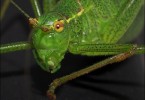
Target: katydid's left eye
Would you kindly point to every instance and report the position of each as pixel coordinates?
(59, 26)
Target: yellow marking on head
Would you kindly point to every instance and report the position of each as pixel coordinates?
(79, 13)
(76, 15)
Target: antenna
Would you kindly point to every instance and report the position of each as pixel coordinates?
(22, 11)
(32, 21)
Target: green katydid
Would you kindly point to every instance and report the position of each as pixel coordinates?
(86, 27)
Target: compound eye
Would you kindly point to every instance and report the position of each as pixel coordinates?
(59, 26)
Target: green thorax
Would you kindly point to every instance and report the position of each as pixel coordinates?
(103, 21)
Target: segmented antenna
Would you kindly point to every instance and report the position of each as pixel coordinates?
(32, 21)
(22, 11)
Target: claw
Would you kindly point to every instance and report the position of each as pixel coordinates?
(51, 95)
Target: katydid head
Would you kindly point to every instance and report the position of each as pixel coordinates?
(50, 40)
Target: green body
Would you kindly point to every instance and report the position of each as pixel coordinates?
(101, 22)
(85, 27)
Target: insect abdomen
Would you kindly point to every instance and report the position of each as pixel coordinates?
(107, 20)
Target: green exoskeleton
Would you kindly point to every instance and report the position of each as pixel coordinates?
(85, 27)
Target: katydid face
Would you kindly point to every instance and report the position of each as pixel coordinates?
(51, 41)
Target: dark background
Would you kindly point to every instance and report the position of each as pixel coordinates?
(22, 79)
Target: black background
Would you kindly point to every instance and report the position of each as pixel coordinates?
(22, 79)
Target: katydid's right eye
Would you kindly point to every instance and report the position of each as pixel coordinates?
(59, 26)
